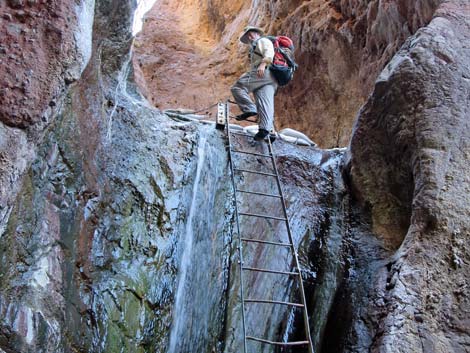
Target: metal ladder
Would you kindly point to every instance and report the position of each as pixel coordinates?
(223, 120)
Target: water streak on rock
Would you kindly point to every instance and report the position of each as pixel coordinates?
(179, 314)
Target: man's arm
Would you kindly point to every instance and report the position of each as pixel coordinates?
(266, 49)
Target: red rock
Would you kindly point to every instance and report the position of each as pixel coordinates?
(16, 3)
(341, 48)
(23, 37)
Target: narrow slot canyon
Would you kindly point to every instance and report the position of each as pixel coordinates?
(119, 215)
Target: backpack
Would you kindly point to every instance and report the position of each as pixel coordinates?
(283, 65)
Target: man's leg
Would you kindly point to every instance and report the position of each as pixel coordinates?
(240, 91)
(264, 97)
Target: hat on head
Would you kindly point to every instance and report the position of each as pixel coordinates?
(244, 38)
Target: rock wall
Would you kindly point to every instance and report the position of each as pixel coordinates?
(92, 243)
(116, 220)
(45, 47)
(341, 48)
(409, 156)
(34, 67)
(110, 205)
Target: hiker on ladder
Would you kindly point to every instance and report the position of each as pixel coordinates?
(259, 81)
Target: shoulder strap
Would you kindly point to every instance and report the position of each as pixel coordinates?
(253, 47)
(255, 44)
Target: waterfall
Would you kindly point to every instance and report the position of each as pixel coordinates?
(121, 94)
(143, 6)
(179, 314)
(121, 88)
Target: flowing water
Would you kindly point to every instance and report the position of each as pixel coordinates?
(179, 315)
(121, 88)
(123, 96)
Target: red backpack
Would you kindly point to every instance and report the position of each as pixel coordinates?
(284, 64)
(283, 51)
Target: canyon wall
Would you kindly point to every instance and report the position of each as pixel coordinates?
(116, 220)
(45, 46)
(341, 46)
(408, 149)
(95, 210)
(409, 156)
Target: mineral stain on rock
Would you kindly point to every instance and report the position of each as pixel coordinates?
(105, 202)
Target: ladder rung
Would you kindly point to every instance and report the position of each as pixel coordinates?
(258, 193)
(273, 302)
(240, 133)
(252, 153)
(253, 172)
(269, 271)
(250, 240)
(262, 216)
(298, 343)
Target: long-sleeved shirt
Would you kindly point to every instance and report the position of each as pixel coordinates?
(263, 52)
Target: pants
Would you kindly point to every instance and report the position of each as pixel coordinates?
(263, 89)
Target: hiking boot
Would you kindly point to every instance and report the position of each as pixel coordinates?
(272, 137)
(245, 116)
(261, 135)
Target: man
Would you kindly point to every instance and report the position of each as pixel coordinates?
(259, 81)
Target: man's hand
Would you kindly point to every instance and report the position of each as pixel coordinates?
(261, 70)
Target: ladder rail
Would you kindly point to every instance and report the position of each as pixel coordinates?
(291, 240)
(240, 246)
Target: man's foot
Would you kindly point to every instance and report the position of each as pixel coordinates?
(272, 137)
(261, 135)
(245, 116)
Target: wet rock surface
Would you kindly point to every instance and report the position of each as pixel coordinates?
(314, 191)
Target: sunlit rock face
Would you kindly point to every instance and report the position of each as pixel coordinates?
(188, 46)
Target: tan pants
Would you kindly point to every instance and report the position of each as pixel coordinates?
(263, 89)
